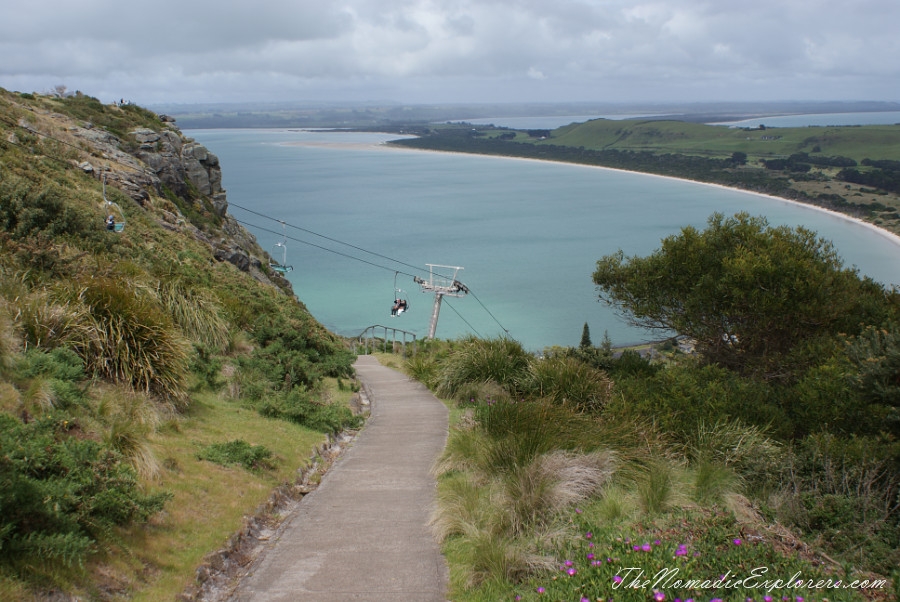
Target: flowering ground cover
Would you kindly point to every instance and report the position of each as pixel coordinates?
(688, 556)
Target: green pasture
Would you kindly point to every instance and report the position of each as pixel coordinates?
(855, 142)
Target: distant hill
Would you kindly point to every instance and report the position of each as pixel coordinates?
(367, 114)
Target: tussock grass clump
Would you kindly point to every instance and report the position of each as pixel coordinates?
(733, 444)
(424, 368)
(9, 342)
(465, 507)
(196, 312)
(712, 483)
(656, 489)
(500, 360)
(128, 338)
(535, 494)
(127, 421)
(568, 380)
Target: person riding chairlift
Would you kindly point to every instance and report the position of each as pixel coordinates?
(111, 222)
(399, 307)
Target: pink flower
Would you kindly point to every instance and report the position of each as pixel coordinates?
(736, 541)
(541, 590)
(617, 579)
(588, 535)
(571, 572)
(646, 547)
(659, 596)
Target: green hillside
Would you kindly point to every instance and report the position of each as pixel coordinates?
(156, 384)
(869, 141)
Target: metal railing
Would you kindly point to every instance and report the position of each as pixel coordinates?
(367, 338)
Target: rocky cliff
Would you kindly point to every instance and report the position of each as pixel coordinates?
(168, 175)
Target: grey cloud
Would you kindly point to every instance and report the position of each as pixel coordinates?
(416, 49)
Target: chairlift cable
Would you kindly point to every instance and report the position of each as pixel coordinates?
(334, 240)
(397, 261)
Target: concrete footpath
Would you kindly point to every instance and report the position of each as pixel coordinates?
(363, 534)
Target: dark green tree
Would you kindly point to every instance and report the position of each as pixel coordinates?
(746, 292)
(585, 337)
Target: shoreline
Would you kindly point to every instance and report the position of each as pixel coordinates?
(887, 234)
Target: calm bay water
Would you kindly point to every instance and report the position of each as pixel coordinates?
(527, 233)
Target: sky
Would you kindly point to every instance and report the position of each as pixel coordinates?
(453, 51)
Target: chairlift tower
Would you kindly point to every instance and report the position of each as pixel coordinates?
(441, 285)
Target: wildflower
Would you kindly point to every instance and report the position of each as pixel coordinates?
(617, 579)
(736, 541)
(577, 510)
(569, 563)
(588, 535)
(541, 590)
(682, 550)
(656, 542)
(583, 599)
(571, 572)
(646, 547)
(590, 556)
(659, 596)
(767, 599)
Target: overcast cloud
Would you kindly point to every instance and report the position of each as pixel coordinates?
(452, 51)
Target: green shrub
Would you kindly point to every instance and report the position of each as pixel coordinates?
(60, 363)
(238, 452)
(60, 493)
(844, 490)
(299, 406)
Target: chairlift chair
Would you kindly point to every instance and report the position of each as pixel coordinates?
(115, 217)
(282, 267)
(401, 305)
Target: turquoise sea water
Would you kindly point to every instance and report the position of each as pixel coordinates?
(527, 233)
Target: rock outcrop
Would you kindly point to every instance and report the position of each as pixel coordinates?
(161, 163)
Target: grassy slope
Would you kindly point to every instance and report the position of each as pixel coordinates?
(158, 560)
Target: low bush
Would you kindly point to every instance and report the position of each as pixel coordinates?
(238, 452)
(299, 406)
(59, 493)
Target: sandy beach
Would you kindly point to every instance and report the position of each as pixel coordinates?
(387, 146)
(890, 236)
